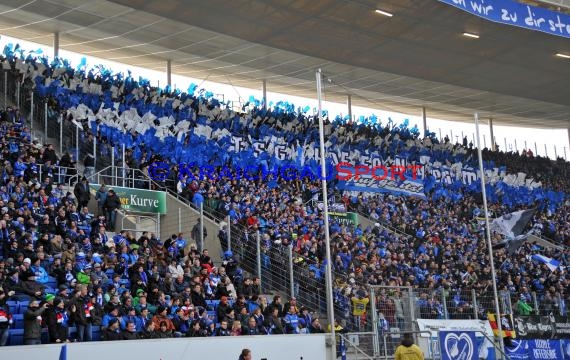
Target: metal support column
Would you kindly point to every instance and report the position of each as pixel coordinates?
(444, 303)
(124, 163)
(375, 336)
(474, 302)
(493, 148)
(291, 274)
(6, 91)
(55, 45)
(258, 246)
(264, 90)
(60, 133)
(32, 111)
(46, 119)
(229, 233)
(328, 268)
(349, 106)
(18, 86)
(77, 143)
(424, 119)
(169, 72)
(488, 237)
(94, 154)
(201, 227)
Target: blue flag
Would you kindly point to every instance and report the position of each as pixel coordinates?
(63, 352)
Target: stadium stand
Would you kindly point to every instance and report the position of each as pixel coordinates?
(95, 286)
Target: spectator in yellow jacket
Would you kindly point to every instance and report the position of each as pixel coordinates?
(408, 350)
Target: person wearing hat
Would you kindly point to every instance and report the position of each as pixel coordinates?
(112, 332)
(26, 272)
(359, 305)
(161, 316)
(20, 290)
(84, 275)
(112, 313)
(33, 322)
(82, 192)
(101, 196)
(57, 320)
(63, 292)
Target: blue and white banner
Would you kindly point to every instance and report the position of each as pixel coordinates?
(517, 14)
(538, 350)
(368, 184)
(518, 350)
(552, 264)
(193, 128)
(456, 345)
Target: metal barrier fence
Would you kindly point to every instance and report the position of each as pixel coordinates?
(118, 176)
(359, 345)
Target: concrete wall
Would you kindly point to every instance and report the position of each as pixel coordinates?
(272, 347)
(182, 218)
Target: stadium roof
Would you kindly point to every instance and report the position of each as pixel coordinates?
(416, 58)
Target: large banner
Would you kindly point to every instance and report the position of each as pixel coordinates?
(280, 149)
(429, 339)
(542, 327)
(537, 350)
(137, 200)
(517, 14)
(368, 183)
(347, 218)
(455, 345)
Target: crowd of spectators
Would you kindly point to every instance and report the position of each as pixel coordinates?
(60, 257)
(62, 263)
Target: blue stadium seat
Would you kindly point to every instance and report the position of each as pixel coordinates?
(52, 283)
(213, 303)
(18, 321)
(49, 290)
(23, 306)
(96, 333)
(125, 282)
(16, 337)
(12, 306)
(212, 315)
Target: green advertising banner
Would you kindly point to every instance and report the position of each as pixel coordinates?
(348, 218)
(146, 201)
